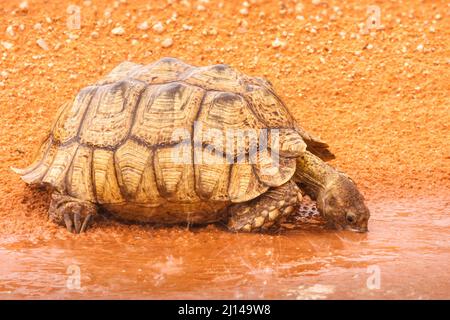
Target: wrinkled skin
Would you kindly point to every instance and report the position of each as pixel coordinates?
(342, 205)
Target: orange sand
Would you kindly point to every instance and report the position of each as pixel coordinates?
(380, 100)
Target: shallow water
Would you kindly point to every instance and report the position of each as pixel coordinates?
(405, 255)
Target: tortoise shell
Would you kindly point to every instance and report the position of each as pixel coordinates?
(114, 143)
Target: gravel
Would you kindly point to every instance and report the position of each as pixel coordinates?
(118, 31)
(41, 43)
(167, 42)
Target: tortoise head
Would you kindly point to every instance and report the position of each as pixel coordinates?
(342, 205)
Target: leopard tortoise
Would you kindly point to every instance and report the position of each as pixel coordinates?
(173, 143)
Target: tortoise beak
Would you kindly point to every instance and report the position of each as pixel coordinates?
(361, 228)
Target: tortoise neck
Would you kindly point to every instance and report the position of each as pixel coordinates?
(314, 174)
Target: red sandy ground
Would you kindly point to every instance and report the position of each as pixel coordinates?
(380, 100)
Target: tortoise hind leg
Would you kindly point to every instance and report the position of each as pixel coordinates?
(70, 212)
(265, 211)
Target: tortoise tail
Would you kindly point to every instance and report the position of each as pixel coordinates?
(315, 145)
(42, 160)
(320, 149)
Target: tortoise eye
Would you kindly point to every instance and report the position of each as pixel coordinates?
(350, 218)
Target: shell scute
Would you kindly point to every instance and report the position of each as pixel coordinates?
(110, 115)
(166, 113)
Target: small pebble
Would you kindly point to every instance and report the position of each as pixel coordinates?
(10, 31)
(143, 26)
(7, 45)
(23, 6)
(117, 31)
(244, 11)
(134, 42)
(94, 35)
(419, 47)
(187, 27)
(37, 26)
(167, 42)
(277, 43)
(158, 27)
(73, 36)
(41, 43)
(299, 7)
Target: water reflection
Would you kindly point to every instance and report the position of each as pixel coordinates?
(408, 244)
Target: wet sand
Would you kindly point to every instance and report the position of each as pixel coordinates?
(380, 100)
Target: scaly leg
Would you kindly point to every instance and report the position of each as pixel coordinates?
(265, 211)
(70, 212)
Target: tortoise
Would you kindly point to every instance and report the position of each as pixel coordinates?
(117, 146)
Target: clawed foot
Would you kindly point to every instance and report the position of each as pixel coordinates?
(75, 222)
(72, 213)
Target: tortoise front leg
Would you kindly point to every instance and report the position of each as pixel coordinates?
(70, 212)
(266, 211)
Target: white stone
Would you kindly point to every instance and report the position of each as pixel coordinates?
(118, 31)
(167, 42)
(277, 43)
(187, 27)
(10, 31)
(244, 11)
(299, 7)
(23, 6)
(158, 27)
(7, 45)
(41, 43)
(143, 26)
